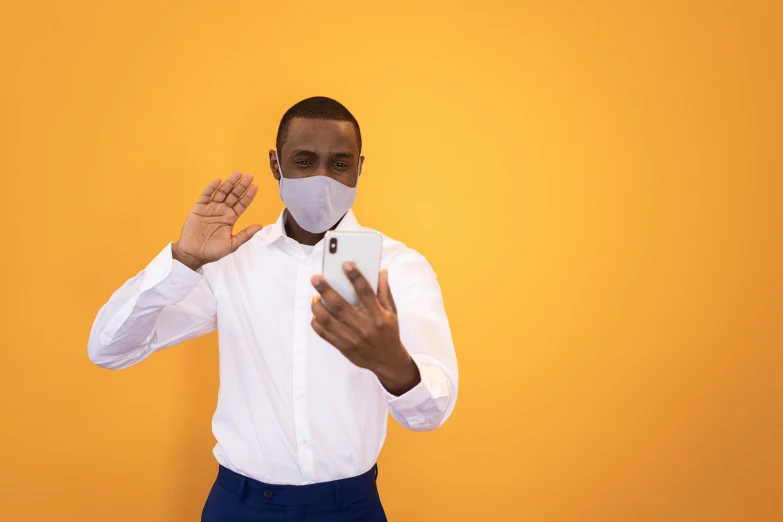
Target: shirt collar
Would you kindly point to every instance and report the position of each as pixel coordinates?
(276, 232)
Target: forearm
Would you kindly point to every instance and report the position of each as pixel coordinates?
(149, 312)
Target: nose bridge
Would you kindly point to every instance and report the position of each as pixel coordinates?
(322, 169)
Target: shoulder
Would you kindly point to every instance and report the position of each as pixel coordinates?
(397, 254)
(266, 234)
(408, 268)
(245, 257)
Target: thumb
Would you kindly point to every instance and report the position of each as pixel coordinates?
(384, 292)
(244, 236)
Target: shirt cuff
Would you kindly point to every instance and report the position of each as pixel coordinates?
(169, 277)
(411, 398)
(416, 405)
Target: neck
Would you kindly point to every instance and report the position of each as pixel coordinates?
(300, 235)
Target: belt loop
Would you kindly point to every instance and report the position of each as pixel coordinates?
(241, 491)
(338, 498)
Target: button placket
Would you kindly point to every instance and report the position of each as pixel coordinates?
(301, 324)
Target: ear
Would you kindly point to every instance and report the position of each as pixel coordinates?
(361, 164)
(274, 165)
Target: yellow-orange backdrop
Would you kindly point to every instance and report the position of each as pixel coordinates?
(599, 188)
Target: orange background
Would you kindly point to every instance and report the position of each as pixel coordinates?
(599, 187)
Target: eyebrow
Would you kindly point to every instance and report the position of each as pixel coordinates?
(303, 152)
(342, 155)
(310, 153)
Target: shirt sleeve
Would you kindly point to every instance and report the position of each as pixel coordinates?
(165, 304)
(425, 333)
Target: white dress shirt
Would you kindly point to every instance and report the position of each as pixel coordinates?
(291, 408)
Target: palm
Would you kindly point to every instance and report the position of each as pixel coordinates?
(207, 234)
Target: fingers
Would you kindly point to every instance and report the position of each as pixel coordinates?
(327, 335)
(226, 187)
(361, 285)
(244, 236)
(207, 194)
(384, 292)
(238, 190)
(245, 200)
(340, 308)
(339, 331)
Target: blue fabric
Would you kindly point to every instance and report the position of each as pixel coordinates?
(235, 498)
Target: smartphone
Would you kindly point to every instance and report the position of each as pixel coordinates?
(363, 248)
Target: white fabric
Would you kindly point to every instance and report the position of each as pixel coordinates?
(317, 202)
(291, 409)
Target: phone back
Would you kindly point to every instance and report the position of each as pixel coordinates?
(361, 247)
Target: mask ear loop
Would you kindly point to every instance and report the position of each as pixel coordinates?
(280, 171)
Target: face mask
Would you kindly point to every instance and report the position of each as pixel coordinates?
(316, 202)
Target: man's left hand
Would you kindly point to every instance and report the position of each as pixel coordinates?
(368, 334)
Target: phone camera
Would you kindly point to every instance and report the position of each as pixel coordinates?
(333, 245)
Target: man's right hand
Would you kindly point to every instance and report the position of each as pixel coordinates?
(207, 233)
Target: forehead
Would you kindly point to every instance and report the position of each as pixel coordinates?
(321, 135)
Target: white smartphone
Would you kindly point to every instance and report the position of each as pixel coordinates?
(361, 247)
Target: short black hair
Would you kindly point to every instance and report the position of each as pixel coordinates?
(320, 108)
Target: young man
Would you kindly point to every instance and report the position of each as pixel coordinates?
(304, 392)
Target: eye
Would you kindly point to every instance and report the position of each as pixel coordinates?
(302, 162)
(340, 165)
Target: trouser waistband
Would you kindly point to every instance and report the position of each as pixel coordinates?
(334, 491)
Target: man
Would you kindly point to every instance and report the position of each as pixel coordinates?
(304, 392)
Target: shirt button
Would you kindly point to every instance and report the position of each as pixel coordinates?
(300, 395)
(303, 441)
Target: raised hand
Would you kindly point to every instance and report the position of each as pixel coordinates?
(207, 234)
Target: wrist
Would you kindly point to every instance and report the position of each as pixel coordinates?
(401, 377)
(187, 260)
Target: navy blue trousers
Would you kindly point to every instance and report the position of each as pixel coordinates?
(236, 498)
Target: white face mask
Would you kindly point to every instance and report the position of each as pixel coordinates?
(316, 202)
